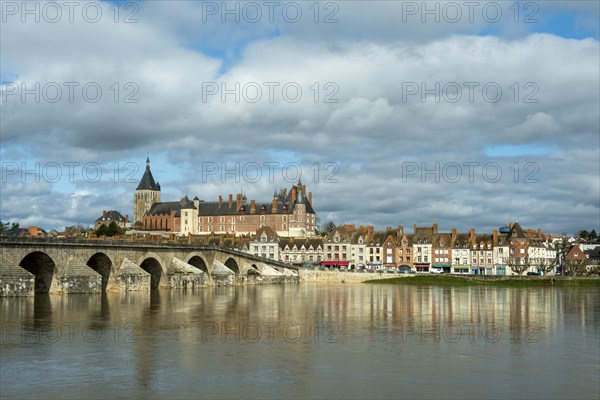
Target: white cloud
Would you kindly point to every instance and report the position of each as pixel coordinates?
(376, 124)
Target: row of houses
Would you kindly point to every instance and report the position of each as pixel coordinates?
(424, 249)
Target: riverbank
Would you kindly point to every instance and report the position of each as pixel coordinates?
(339, 277)
(487, 280)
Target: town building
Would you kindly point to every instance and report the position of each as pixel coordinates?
(289, 214)
(113, 216)
(422, 246)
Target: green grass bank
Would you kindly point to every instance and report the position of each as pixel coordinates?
(504, 281)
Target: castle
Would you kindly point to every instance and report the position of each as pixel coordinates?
(290, 214)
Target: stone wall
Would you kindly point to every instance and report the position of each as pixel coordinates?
(15, 281)
(336, 276)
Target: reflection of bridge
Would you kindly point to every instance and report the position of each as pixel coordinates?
(81, 266)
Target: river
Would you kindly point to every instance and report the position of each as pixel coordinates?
(305, 340)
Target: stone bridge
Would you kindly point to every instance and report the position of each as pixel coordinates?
(32, 265)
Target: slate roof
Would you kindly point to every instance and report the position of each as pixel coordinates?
(147, 182)
(306, 242)
(517, 232)
(165, 208)
(111, 216)
(593, 254)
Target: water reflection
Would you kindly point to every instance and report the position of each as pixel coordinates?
(305, 341)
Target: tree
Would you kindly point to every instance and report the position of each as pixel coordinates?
(583, 234)
(113, 229)
(575, 267)
(593, 235)
(547, 265)
(7, 228)
(518, 265)
(329, 227)
(76, 230)
(101, 231)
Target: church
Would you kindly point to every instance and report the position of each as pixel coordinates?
(289, 213)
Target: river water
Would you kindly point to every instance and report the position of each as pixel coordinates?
(304, 341)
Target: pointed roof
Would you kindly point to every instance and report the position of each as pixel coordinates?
(147, 182)
(517, 232)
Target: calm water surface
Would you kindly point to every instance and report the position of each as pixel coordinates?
(304, 341)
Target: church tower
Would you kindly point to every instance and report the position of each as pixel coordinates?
(147, 193)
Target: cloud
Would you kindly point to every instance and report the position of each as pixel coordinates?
(372, 97)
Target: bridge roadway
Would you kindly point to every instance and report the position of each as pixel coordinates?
(32, 265)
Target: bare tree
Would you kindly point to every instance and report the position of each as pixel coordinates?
(518, 265)
(329, 227)
(575, 267)
(547, 265)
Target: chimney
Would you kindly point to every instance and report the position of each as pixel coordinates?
(104, 213)
(435, 229)
(494, 236)
(310, 197)
(252, 206)
(293, 198)
(230, 200)
(540, 236)
(274, 205)
(238, 199)
(401, 230)
(453, 233)
(472, 233)
(126, 217)
(303, 190)
(415, 227)
(220, 201)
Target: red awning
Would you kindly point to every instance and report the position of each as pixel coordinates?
(336, 263)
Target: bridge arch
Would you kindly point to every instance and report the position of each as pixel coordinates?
(197, 261)
(43, 267)
(153, 264)
(252, 270)
(232, 265)
(102, 264)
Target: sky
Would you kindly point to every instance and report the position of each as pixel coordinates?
(465, 114)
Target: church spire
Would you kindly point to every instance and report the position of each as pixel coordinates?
(147, 182)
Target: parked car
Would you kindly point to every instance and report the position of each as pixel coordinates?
(405, 270)
(343, 269)
(530, 273)
(436, 271)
